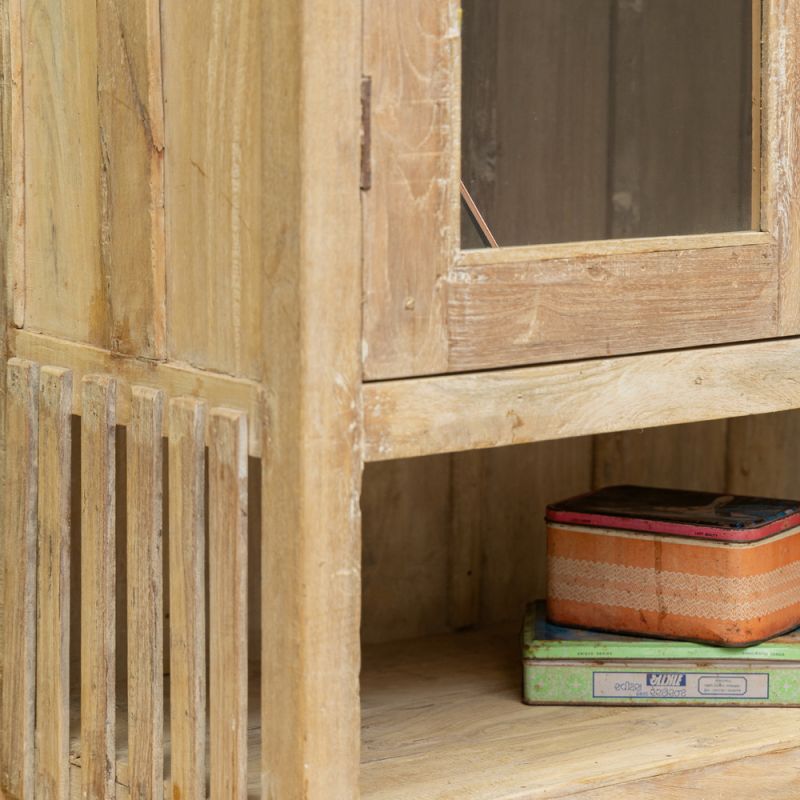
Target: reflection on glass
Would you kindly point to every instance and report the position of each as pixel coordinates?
(597, 119)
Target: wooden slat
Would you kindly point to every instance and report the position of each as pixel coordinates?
(503, 315)
(227, 494)
(98, 596)
(311, 555)
(174, 378)
(54, 571)
(65, 287)
(131, 131)
(780, 211)
(461, 412)
(145, 596)
(464, 546)
(215, 187)
(187, 571)
(18, 653)
(411, 50)
(13, 161)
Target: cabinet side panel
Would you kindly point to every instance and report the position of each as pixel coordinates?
(214, 183)
(411, 211)
(93, 235)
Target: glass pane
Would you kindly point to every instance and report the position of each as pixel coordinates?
(598, 119)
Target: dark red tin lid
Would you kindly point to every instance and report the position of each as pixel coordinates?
(732, 518)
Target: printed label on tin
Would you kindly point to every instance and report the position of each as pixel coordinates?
(679, 685)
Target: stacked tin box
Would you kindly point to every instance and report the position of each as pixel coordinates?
(663, 596)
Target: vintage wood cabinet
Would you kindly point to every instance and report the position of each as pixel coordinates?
(233, 276)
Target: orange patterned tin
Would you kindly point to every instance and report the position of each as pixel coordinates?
(682, 565)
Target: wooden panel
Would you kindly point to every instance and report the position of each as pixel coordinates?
(227, 492)
(66, 291)
(518, 483)
(311, 556)
(187, 570)
(18, 654)
(763, 457)
(131, 135)
(54, 571)
(98, 579)
(411, 211)
(215, 184)
(460, 412)
(13, 164)
(676, 457)
(174, 379)
(780, 213)
(145, 599)
(406, 528)
(443, 718)
(501, 315)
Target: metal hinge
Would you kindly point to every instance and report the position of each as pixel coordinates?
(366, 132)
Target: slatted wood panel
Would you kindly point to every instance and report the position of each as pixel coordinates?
(17, 702)
(227, 490)
(187, 567)
(98, 577)
(53, 585)
(145, 597)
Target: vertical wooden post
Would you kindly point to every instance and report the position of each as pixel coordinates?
(227, 500)
(98, 575)
(18, 554)
(311, 579)
(145, 596)
(187, 570)
(53, 608)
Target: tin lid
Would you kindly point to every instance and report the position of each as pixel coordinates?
(726, 517)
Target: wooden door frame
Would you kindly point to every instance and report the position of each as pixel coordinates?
(431, 308)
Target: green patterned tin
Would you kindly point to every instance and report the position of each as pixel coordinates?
(568, 666)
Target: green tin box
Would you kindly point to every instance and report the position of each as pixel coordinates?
(563, 666)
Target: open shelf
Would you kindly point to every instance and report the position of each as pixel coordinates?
(442, 720)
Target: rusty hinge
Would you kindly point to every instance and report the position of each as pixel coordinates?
(366, 132)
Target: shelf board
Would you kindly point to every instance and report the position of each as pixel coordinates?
(442, 719)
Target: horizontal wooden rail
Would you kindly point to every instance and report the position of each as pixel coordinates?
(423, 416)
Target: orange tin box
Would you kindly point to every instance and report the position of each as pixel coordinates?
(710, 568)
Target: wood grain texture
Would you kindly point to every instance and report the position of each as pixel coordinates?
(13, 164)
(227, 497)
(131, 136)
(53, 585)
(311, 554)
(411, 51)
(215, 185)
(98, 582)
(780, 212)
(518, 483)
(175, 379)
(406, 507)
(18, 655)
(464, 546)
(65, 290)
(773, 776)
(187, 592)
(442, 718)
(145, 600)
(675, 457)
(502, 315)
(460, 412)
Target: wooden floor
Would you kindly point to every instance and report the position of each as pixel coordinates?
(442, 720)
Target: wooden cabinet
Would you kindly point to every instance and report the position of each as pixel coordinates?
(234, 274)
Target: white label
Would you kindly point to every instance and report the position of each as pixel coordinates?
(691, 685)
